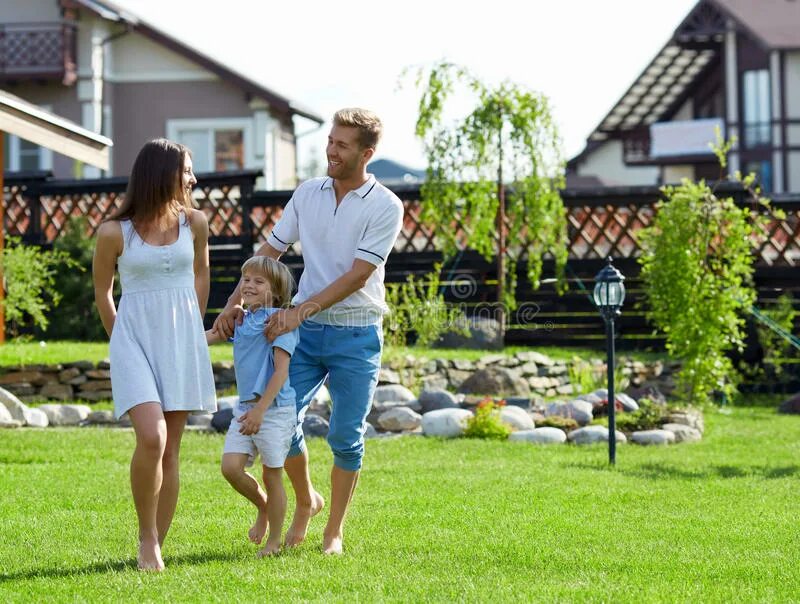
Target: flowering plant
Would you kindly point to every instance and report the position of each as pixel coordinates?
(486, 422)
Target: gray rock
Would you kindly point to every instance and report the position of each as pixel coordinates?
(393, 392)
(221, 420)
(430, 382)
(82, 365)
(593, 434)
(791, 405)
(5, 414)
(529, 369)
(314, 425)
(14, 406)
(10, 423)
(388, 376)
(688, 417)
(463, 365)
(517, 418)
(436, 398)
(370, 431)
(400, 419)
(72, 415)
(447, 423)
(35, 418)
(544, 436)
(101, 418)
(322, 396)
(683, 433)
(577, 409)
(496, 381)
(59, 392)
(484, 333)
(200, 419)
(653, 437)
(628, 404)
(227, 402)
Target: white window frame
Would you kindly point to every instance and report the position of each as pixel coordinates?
(245, 124)
(45, 154)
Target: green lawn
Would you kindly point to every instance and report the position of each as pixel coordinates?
(32, 353)
(432, 520)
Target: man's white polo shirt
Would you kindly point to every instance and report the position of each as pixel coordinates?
(365, 225)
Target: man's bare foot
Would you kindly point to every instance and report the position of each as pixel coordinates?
(259, 528)
(272, 548)
(302, 516)
(332, 545)
(149, 557)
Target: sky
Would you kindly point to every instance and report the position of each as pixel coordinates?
(582, 54)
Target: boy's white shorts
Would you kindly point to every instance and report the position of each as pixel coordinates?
(273, 439)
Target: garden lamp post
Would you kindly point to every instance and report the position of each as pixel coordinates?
(609, 293)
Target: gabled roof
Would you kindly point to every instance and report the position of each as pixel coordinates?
(23, 119)
(112, 12)
(694, 45)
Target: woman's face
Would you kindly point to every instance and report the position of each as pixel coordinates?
(188, 181)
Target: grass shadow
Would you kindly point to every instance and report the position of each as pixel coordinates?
(114, 566)
(665, 472)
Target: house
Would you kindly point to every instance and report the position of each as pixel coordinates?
(390, 172)
(95, 63)
(732, 65)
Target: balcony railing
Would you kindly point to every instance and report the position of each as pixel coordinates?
(683, 141)
(37, 51)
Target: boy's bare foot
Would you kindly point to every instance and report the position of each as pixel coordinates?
(272, 548)
(259, 528)
(302, 516)
(332, 545)
(149, 557)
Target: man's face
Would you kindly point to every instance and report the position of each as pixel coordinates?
(345, 155)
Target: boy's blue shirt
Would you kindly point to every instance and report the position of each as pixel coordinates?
(254, 359)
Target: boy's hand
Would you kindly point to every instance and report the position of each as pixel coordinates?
(251, 421)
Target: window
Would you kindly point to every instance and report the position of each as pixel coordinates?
(763, 172)
(216, 145)
(757, 115)
(23, 156)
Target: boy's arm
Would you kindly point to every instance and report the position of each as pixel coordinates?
(251, 420)
(214, 337)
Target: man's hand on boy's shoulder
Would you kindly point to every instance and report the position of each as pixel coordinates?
(281, 322)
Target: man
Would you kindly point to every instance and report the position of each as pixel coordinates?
(347, 224)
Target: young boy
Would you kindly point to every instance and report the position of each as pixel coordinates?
(266, 417)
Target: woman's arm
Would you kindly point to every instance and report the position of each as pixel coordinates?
(107, 249)
(202, 271)
(251, 420)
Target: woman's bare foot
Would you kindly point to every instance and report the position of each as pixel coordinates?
(302, 516)
(332, 545)
(149, 557)
(272, 548)
(259, 528)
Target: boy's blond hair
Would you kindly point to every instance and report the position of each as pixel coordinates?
(281, 281)
(368, 124)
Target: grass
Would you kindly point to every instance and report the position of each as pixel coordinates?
(432, 520)
(15, 352)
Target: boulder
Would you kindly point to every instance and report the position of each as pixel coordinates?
(437, 398)
(495, 380)
(35, 418)
(791, 405)
(447, 423)
(314, 425)
(400, 419)
(392, 392)
(517, 418)
(653, 437)
(221, 420)
(683, 433)
(543, 436)
(14, 406)
(593, 434)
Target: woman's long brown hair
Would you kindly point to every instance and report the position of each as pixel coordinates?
(155, 184)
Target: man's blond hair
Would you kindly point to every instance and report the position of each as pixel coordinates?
(368, 124)
(281, 281)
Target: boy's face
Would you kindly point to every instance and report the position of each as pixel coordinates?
(256, 290)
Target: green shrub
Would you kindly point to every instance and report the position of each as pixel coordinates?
(76, 318)
(650, 416)
(30, 275)
(555, 421)
(486, 422)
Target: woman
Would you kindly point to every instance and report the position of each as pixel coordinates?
(160, 366)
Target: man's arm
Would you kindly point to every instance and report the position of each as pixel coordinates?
(353, 280)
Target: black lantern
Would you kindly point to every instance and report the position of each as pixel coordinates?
(609, 294)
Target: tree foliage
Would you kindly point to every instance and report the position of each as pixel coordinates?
(697, 267)
(508, 128)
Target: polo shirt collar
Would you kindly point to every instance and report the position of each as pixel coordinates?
(361, 191)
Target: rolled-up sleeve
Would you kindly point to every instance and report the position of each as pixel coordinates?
(380, 235)
(286, 231)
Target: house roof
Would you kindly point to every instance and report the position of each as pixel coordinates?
(21, 118)
(388, 170)
(694, 45)
(112, 12)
